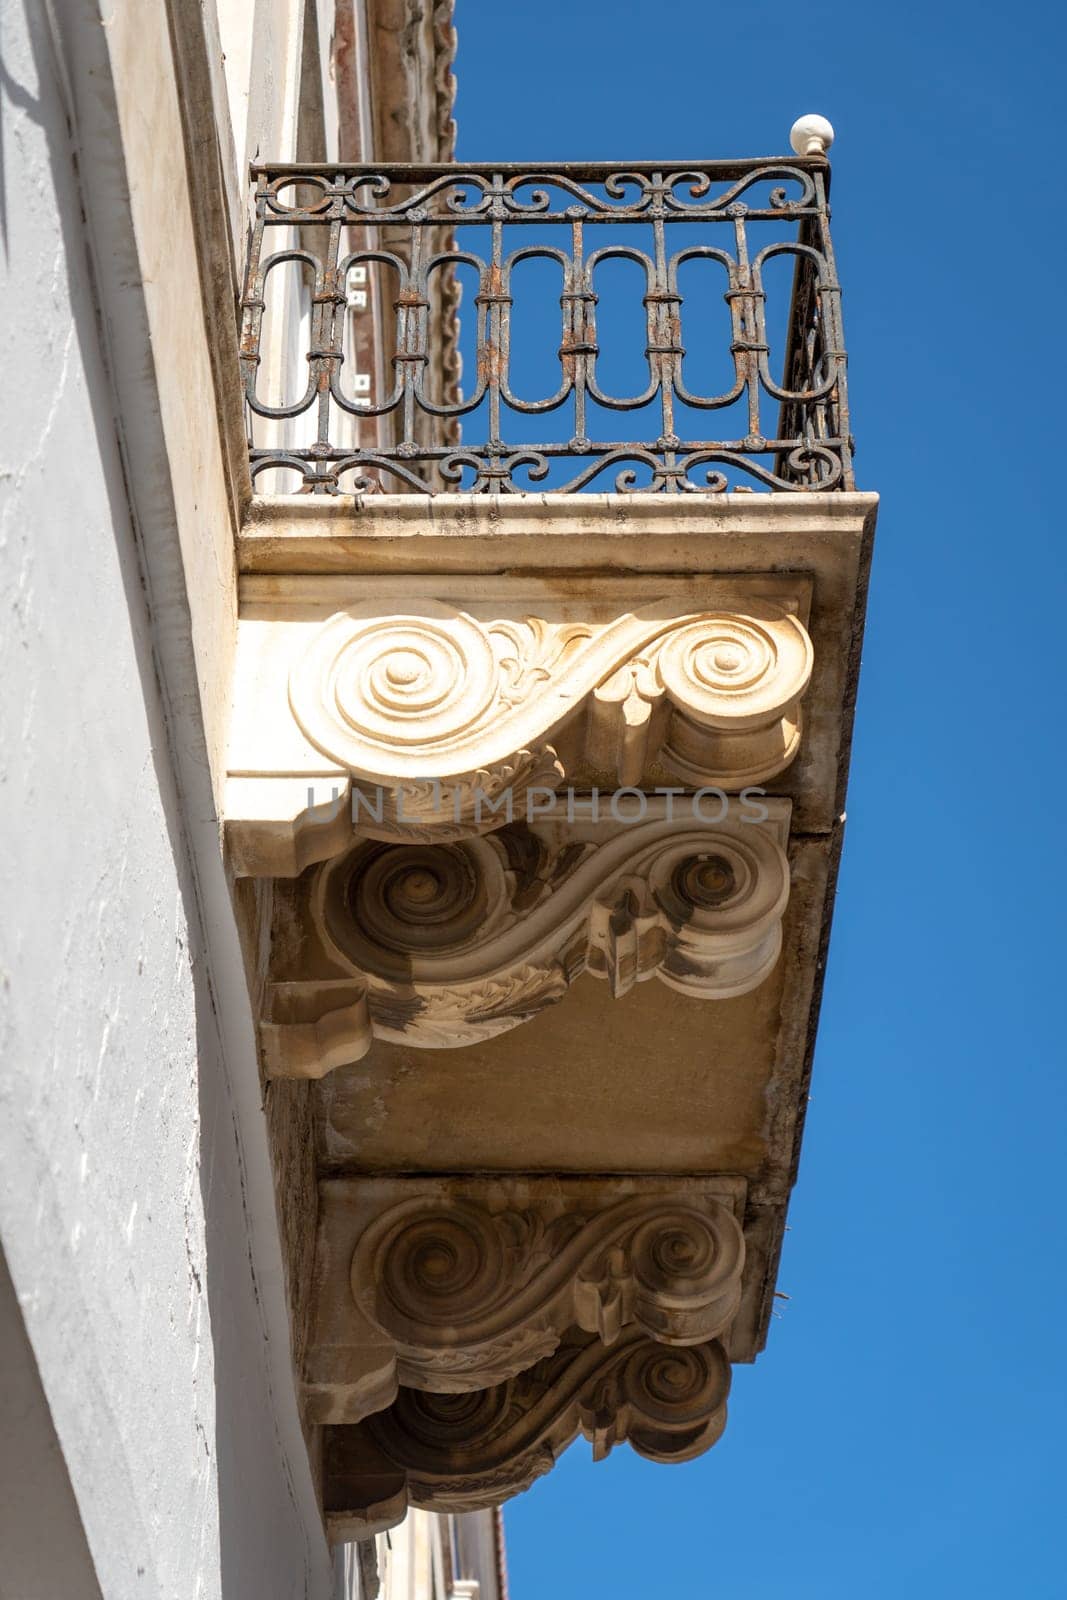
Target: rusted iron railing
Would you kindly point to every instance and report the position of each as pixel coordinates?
(371, 263)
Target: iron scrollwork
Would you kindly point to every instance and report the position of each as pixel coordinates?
(401, 229)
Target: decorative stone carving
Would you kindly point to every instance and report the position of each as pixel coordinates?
(442, 945)
(413, 723)
(457, 1287)
(437, 694)
(462, 1452)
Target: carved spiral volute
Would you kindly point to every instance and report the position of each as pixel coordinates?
(734, 671)
(725, 905)
(383, 905)
(436, 1425)
(684, 1259)
(438, 1270)
(669, 1403)
(471, 1296)
(393, 691)
(732, 885)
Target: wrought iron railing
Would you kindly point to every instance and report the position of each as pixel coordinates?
(379, 256)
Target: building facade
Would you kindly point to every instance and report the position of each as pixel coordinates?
(428, 1557)
(426, 795)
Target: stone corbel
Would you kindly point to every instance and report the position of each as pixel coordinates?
(456, 1285)
(455, 1453)
(443, 945)
(416, 725)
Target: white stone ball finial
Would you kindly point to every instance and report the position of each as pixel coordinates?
(811, 135)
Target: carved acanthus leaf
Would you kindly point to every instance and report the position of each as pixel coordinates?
(470, 803)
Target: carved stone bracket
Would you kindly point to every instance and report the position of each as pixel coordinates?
(462, 1452)
(443, 945)
(414, 724)
(456, 1286)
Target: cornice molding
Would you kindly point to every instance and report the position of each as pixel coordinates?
(285, 535)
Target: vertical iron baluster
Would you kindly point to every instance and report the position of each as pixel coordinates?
(494, 352)
(483, 301)
(326, 351)
(499, 301)
(748, 346)
(815, 422)
(578, 348)
(661, 317)
(409, 352)
(252, 306)
(833, 336)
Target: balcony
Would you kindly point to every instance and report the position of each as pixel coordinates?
(649, 327)
(536, 984)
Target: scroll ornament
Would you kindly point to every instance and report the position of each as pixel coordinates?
(444, 945)
(440, 713)
(462, 1452)
(451, 1294)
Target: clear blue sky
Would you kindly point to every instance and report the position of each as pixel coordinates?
(904, 1432)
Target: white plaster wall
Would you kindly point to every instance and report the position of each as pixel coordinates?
(121, 1190)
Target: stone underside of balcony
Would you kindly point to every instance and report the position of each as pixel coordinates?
(536, 1067)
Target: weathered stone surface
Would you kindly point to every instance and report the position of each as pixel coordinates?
(407, 670)
(654, 1083)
